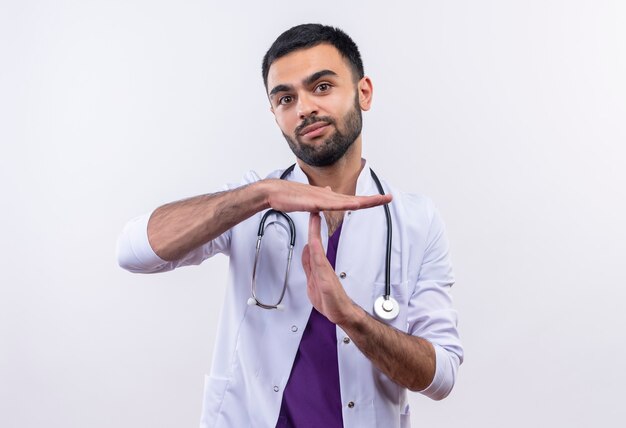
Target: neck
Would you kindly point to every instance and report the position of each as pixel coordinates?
(341, 176)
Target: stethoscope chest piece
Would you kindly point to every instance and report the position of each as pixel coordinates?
(386, 308)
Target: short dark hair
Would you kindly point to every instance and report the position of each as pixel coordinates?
(309, 35)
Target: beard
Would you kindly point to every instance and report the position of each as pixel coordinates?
(334, 147)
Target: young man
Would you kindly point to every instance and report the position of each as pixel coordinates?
(325, 357)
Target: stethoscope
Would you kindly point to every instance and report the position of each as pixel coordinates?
(385, 306)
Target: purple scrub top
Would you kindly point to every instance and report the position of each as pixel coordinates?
(312, 397)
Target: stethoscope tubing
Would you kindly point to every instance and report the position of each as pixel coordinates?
(389, 237)
(385, 306)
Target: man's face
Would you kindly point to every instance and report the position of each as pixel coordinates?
(316, 103)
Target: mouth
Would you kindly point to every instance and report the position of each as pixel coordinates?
(314, 130)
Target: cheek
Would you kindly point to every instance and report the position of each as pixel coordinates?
(286, 123)
(337, 105)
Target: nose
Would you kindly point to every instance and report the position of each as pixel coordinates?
(306, 106)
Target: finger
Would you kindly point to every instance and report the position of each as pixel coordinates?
(315, 233)
(306, 263)
(355, 202)
(372, 201)
(315, 240)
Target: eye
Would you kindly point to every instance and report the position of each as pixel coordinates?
(284, 100)
(322, 87)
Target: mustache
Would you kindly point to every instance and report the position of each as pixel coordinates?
(314, 119)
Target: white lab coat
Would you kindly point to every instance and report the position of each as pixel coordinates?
(256, 347)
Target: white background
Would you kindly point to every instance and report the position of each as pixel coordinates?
(510, 115)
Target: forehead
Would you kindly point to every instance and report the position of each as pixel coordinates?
(299, 64)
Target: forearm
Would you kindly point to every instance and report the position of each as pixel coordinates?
(177, 228)
(407, 360)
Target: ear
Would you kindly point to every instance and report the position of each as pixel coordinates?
(366, 92)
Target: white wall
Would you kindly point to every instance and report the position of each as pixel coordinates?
(509, 114)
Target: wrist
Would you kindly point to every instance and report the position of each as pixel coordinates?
(263, 189)
(354, 319)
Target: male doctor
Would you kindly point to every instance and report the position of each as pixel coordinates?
(324, 358)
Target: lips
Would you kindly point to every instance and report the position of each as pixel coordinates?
(317, 126)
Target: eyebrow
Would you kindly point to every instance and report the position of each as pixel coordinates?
(306, 81)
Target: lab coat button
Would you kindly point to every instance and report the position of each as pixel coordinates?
(276, 388)
(294, 328)
(346, 340)
(342, 275)
(351, 404)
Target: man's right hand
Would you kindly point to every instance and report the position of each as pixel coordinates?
(177, 228)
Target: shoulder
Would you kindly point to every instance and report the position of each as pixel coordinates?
(413, 205)
(250, 177)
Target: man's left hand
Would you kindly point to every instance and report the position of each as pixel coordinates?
(323, 287)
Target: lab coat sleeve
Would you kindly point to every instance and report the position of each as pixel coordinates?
(431, 315)
(135, 254)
